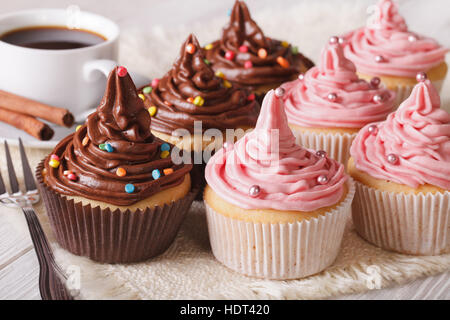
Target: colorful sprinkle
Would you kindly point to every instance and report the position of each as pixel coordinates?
(243, 48)
(167, 171)
(283, 62)
(227, 84)
(190, 48)
(121, 172)
(55, 157)
(147, 90)
(229, 12)
(262, 53)
(209, 46)
(141, 96)
(78, 127)
(152, 110)
(251, 97)
(165, 147)
(156, 174)
(102, 146)
(248, 64)
(294, 50)
(220, 74)
(85, 141)
(164, 154)
(199, 101)
(53, 163)
(190, 99)
(155, 83)
(122, 71)
(129, 188)
(229, 55)
(207, 61)
(167, 103)
(109, 147)
(284, 44)
(72, 176)
(66, 172)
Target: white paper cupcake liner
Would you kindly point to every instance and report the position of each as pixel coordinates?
(337, 145)
(279, 250)
(417, 224)
(403, 92)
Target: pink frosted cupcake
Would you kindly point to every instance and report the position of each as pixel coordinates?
(275, 209)
(402, 169)
(385, 48)
(328, 105)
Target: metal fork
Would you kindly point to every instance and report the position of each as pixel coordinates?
(51, 277)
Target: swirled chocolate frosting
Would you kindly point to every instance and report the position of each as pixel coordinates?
(238, 53)
(191, 91)
(113, 156)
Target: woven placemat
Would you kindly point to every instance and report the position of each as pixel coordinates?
(188, 269)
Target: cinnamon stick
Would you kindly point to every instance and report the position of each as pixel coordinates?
(29, 124)
(36, 109)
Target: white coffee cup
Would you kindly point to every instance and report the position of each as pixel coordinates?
(71, 78)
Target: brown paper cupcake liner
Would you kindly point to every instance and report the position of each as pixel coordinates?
(112, 236)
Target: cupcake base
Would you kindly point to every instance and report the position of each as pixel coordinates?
(416, 224)
(336, 144)
(112, 236)
(279, 251)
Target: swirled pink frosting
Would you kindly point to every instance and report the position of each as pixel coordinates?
(386, 34)
(307, 103)
(268, 157)
(418, 133)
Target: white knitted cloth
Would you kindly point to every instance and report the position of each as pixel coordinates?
(188, 269)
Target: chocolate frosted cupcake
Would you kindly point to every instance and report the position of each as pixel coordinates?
(111, 191)
(246, 57)
(190, 101)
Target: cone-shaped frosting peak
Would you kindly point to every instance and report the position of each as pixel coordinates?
(424, 99)
(192, 68)
(273, 117)
(113, 157)
(285, 174)
(191, 91)
(332, 95)
(386, 16)
(332, 60)
(121, 113)
(242, 30)
(412, 147)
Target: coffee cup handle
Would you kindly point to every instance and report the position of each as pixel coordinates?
(95, 69)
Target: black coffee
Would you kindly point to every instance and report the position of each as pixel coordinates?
(52, 38)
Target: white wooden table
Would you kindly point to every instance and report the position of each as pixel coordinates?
(19, 267)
